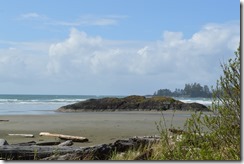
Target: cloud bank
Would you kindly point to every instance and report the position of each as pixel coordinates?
(100, 66)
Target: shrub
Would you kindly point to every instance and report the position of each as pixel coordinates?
(206, 137)
(222, 137)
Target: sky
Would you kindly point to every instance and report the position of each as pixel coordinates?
(114, 47)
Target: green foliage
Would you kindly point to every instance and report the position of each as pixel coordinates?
(208, 137)
(132, 154)
(163, 92)
(196, 90)
(223, 125)
(190, 90)
(134, 99)
(163, 99)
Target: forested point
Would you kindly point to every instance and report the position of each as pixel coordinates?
(190, 90)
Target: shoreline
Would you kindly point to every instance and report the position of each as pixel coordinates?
(98, 127)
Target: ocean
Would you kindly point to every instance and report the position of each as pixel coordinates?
(47, 104)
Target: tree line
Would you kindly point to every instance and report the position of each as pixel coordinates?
(190, 90)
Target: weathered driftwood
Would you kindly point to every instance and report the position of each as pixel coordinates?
(3, 142)
(66, 143)
(104, 151)
(15, 152)
(30, 143)
(23, 135)
(65, 137)
(99, 152)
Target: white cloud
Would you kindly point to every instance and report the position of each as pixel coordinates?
(73, 52)
(171, 54)
(20, 61)
(84, 20)
(32, 16)
(91, 20)
(94, 62)
(103, 20)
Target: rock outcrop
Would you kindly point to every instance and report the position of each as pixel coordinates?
(132, 103)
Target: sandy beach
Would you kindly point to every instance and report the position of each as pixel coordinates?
(98, 127)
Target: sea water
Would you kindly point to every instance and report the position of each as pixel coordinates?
(204, 101)
(47, 104)
(37, 104)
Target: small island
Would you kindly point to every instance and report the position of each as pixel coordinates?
(132, 103)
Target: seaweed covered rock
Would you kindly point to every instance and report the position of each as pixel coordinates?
(132, 103)
(160, 103)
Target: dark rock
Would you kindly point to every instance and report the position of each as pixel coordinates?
(132, 103)
(123, 145)
(100, 152)
(194, 107)
(48, 143)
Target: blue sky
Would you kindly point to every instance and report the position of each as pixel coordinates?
(114, 46)
(139, 19)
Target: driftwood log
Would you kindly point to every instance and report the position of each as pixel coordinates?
(99, 152)
(65, 137)
(15, 152)
(23, 135)
(66, 143)
(32, 143)
(4, 120)
(3, 142)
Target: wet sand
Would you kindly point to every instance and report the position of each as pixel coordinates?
(98, 127)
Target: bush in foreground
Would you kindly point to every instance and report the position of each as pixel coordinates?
(205, 137)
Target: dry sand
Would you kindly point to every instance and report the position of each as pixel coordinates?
(98, 127)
